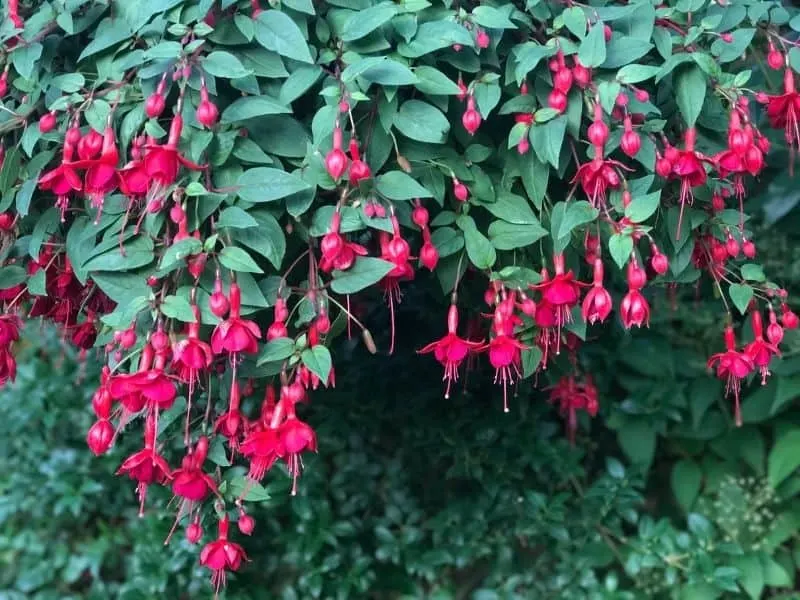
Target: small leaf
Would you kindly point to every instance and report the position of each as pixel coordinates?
(643, 206)
(252, 491)
(592, 51)
(396, 185)
(235, 217)
(381, 70)
(276, 350)
(784, 458)
(690, 85)
(318, 361)
(740, 294)
(177, 307)
(575, 215)
(276, 31)
(178, 251)
(509, 236)
(547, 140)
(480, 250)
(422, 122)
(364, 22)
(224, 64)
(264, 184)
(620, 246)
(636, 73)
(236, 259)
(531, 357)
(492, 18)
(365, 272)
(251, 107)
(686, 480)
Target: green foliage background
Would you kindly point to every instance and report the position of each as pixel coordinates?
(414, 496)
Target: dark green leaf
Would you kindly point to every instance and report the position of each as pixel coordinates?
(264, 184)
(396, 185)
(686, 480)
(275, 350)
(690, 85)
(366, 21)
(620, 247)
(592, 51)
(740, 294)
(236, 259)
(421, 121)
(250, 107)
(318, 361)
(365, 272)
(784, 458)
(643, 206)
(277, 32)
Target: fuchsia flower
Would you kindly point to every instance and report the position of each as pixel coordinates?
(451, 350)
(234, 334)
(296, 436)
(572, 396)
(63, 180)
(505, 356)
(146, 466)
(688, 166)
(191, 356)
(149, 387)
(759, 350)
(732, 366)
(222, 556)
(190, 482)
(634, 309)
(101, 176)
(337, 252)
(597, 304)
(559, 295)
(597, 176)
(162, 162)
(232, 422)
(783, 110)
(262, 447)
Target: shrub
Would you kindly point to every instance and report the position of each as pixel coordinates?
(212, 194)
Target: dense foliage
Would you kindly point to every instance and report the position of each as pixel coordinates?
(213, 197)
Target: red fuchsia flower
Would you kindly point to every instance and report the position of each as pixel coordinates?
(85, 334)
(397, 251)
(191, 356)
(337, 252)
(101, 176)
(63, 180)
(359, 170)
(146, 466)
(572, 396)
(597, 176)
(234, 334)
(505, 355)
(634, 309)
(759, 350)
(783, 110)
(597, 304)
(89, 145)
(149, 387)
(561, 293)
(190, 481)
(232, 423)
(162, 162)
(134, 180)
(207, 112)
(451, 350)
(732, 366)
(774, 330)
(460, 191)
(428, 254)
(789, 319)
(10, 325)
(296, 437)
(262, 447)
(8, 366)
(687, 166)
(222, 556)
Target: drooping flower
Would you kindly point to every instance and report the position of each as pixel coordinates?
(571, 396)
(234, 334)
(149, 387)
(505, 356)
(634, 309)
(296, 436)
(760, 350)
(687, 166)
(146, 466)
(451, 350)
(63, 180)
(222, 556)
(597, 304)
(732, 366)
(163, 161)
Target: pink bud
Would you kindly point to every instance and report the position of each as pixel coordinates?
(194, 532)
(598, 133)
(207, 113)
(48, 122)
(218, 304)
(246, 524)
(128, 339)
(749, 248)
(659, 262)
(732, 246)
(641, 95)
(460, 191)
(630, 143)
(471, 120)
(582, 75)
(726, 37)
(420, 216)
(482, 39)
(557, 100)
(523, 146)
(775, 59)
(154, 105)
(562, 80)
(159, 340)
(336, 163)
(100, 436)
(429, 256)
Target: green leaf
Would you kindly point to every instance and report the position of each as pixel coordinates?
(638, 440)
(751, 574)
(422, 122)
(276, 350)
(251, 107)
(434, 35)
(109, 32)
(236, 218)
(25, 57)
(264, 184)
(784, 458)
(529, 55)
(224, 64)
(277, 32)
(740, 294)
(753, 272)
(381, 70)
(690, 85)
(620, 247)
(547, 140)
(179, 251)
(318, 361)
(686, 480)
(636, 73)
(397, 185)
(24, 196)
(253, 492)
(366, 21)
(491, 18)
(11, 275)
(138, 253)
(575, 215)
(575, 20)
(535, 177)
(509, 236)
(365, 272)
(236, 259)
(177, 307)
(432, 81)
(480, 250)
(643, 206)
(266, 238)
(733, 50)
(512, 208)
(592, 51)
